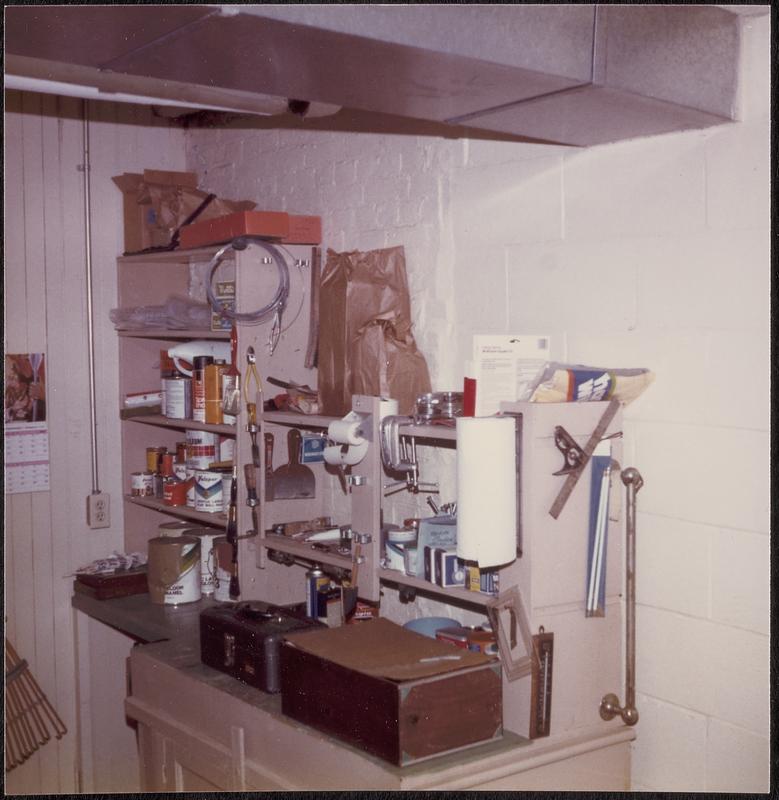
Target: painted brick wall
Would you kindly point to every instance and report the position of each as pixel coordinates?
(651, 253)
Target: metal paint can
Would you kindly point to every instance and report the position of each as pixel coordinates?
(177, 528)
(142, 484)
(226, 448)
(191, 487)
(199, 365)
(213, 392)
(181, 451)
(223, 563)
(180, 470)
(178, 397)
(208, 491)
(153, 457)
(173, 570)
(207, 557)
(315, 580)
(166, 465)
(174, 491)
(201, 448)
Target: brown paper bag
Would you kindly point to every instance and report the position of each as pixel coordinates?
(365, 340)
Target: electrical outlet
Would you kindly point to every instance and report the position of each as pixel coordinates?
(98, 510)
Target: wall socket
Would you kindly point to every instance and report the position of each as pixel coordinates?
(98, 510)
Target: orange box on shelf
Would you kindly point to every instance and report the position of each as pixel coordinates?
(304, 230)
(268, 224)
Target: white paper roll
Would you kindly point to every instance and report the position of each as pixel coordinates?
(347, 430)
(354, 454)
(486, 490)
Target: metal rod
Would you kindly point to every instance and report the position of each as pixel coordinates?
(90, 321)
(609, 705)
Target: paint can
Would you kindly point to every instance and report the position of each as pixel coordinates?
(174, 491)
(181, 452)
(178, 397)
(153, 458)
(180, 470)
(223, 563)
(142, 484)
(208, 491)
(177, 528)
(191, 487)
(201, 448)
(207, 556)
(226, 448)
(315, 580)
(167, 370)
(199, 366)
(173, 570)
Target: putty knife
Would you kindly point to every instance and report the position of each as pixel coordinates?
(293, 480)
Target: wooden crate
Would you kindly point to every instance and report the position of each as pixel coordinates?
(391, 692)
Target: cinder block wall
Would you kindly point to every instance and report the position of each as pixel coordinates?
(647, 253)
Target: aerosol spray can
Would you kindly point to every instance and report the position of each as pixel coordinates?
(315, 579)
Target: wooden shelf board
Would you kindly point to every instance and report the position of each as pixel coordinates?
(183, 424)
(170, 333)
(298, 420)
(304, 550)
(453, 594)
(218, 520)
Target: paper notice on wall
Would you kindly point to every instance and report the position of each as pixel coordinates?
(26, 431)
(504, 366)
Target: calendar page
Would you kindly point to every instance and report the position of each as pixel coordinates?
(26, 431)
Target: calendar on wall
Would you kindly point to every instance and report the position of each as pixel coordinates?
(26, 431)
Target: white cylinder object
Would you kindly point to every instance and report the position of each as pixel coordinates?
(486, 490)
(346, 430)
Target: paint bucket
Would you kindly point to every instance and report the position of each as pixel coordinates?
(208, 491)
(201, 449)
(207, 566)
(173, 571)
(223, 563)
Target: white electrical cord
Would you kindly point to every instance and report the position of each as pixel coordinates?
(275, 307)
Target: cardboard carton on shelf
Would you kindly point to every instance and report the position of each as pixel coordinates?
(273, 225)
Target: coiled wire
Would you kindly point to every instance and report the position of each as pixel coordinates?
(275, 307)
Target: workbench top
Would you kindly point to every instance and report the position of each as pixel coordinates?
(168, 656)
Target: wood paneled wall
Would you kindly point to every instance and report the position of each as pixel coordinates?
(46, 535)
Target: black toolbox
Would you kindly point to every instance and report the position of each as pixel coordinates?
(244, 639)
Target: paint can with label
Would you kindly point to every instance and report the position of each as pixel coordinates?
(208, 491)
(190, 487)
(173, 570)
(178, 397)
(201, 448)
(213, 392)
(154, 458)
(226, 448)
(223, 563)
(207, 537)
(142, 484)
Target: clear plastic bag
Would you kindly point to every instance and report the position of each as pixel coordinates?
(177, 313)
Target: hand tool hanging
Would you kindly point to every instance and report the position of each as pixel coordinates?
(232, 535)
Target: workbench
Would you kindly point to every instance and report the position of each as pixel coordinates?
(199, 729)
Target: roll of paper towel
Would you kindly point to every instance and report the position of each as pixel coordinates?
(486, 490)
(347, 430)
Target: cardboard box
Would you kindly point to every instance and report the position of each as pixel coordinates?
(276, 225)
(141, 229)
(269, 224)
(396, 694)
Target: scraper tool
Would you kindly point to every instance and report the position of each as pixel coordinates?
(293, 480)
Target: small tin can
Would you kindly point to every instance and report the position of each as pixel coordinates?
(137, 486)
(315, 580)
(181, 451)
(213, 392)
(178, 397)
(166, 464)
(226, 448)
(153, 456)
(208, 491)
(174, 491)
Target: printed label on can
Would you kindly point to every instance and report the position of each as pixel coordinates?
(208, 491)
(186, 587)
(226, 448)
(207, 558)
(136, 484)
(191, 487)
(201, 449)
(178, 398)
(315, 580)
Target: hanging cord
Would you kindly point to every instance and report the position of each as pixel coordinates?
(275, 307)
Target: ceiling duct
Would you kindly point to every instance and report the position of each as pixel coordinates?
(578, 74)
